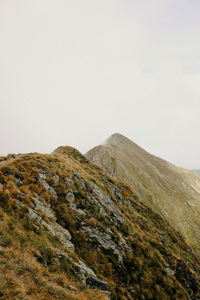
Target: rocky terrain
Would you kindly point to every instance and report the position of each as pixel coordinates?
(68, 230)
(171, 191)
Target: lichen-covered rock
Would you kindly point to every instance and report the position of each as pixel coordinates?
(170, 272)
(79, 267)
(53, 228)
(105, 201)
(104, 239)
(71, 200)
(84, 270)
(70, 197)
(45, 209)
(46, 186)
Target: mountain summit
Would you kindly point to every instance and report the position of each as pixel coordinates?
(172, 191)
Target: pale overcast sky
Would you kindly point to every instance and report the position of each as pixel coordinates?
(72, 72)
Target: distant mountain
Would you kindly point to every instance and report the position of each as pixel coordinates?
(68, 230)
(197, 171)
(172, 191)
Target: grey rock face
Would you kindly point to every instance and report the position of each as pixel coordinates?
(97, 283)
(118, 195)
(46, 210)
(106, 203)
(100, 195)
(62, 230)
(53, 228)
(84, 270)
(78, 266)
(104, 240)
(46, 186)
(97, 203)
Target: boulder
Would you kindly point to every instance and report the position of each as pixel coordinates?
(53, 228)
(46, 210)
(96, 283)
(69, 181)
(84, 270)
(72, 288)
(46, 186)
(170, 272)
(105, 201)
(70, 197)
(104, 239)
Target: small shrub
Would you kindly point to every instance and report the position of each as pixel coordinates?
(4, 198)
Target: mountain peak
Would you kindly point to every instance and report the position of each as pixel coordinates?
(117, 139)
(159, 183)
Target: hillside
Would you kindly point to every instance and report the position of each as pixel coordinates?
(70, 231)
(172, 191)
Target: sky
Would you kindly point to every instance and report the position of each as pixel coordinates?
(73, 72)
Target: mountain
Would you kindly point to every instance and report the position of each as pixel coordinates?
(70, 231)
(171, 191)
(197, 171)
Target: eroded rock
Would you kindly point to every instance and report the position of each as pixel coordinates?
(46, 186)
(46, 210)
(104, 240)
(53, 228)
(105, 201)
(96, 283)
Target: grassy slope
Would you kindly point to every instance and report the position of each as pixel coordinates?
(157, 264)
(172, 191)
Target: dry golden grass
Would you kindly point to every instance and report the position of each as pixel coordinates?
(171, 191)
(28, 265)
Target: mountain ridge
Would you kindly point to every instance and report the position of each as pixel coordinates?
(170, 190)
(70, 231)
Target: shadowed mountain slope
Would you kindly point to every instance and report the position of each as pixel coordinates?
(172, 191)
(70, 231)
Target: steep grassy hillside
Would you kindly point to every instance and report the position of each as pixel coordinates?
(69, 231)
(172, 191)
